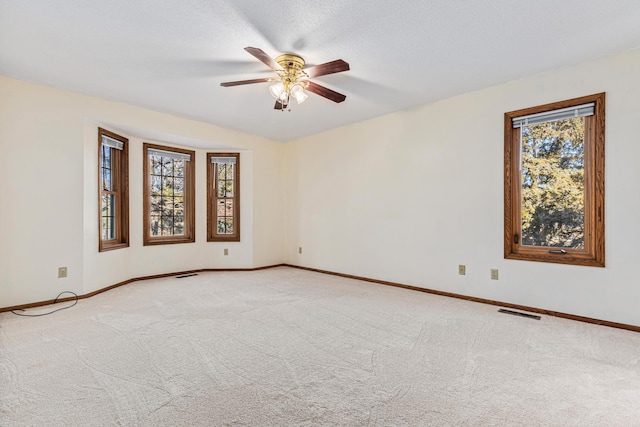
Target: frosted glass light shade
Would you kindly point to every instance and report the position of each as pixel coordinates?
(276, 90)
(300, 97)
(298, 93)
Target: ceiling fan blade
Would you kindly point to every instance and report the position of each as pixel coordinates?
(336, 66)
(269, 61)
(245, 82)
(325, 92)
(279, 105)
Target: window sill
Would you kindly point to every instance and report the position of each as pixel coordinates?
(105, 247)
(587, 260)
(224, 239)
(168, 241)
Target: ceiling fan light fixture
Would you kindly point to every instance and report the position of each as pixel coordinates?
(277, 90)
(301, 97)
(298, 93)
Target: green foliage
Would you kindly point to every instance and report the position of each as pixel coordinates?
(553, 184)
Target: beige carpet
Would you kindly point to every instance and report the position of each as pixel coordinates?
(286, 347)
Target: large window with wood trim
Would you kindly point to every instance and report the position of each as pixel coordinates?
(113, 195)
(554, 182)
(169, 195)
(223, 197)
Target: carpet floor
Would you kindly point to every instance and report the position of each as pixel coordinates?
(287, 347)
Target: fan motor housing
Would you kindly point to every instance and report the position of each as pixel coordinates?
(289, 61)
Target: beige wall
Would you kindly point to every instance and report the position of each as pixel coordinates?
(405, 197)
(48, 210)
(409, 196)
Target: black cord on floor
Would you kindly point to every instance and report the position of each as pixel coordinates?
(52, 311)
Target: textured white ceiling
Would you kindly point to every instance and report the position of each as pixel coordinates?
(172, 55)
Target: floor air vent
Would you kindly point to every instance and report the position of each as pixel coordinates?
(517, 313)
(186, 275)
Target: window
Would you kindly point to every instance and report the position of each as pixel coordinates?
(169, 195)
(554, 182)
(113, 191)
(223, 197)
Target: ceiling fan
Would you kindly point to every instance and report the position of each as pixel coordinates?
(292, 80)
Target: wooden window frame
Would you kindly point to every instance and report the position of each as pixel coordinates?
(212, 198)
(189, 199)
(120, 189)
(593, 253)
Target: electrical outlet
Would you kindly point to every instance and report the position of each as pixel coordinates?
(494, 274)
(226, 251)
(462, 269)
(299, 249)
(62, 272)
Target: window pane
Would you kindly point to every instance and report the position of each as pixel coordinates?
(105, 168)
(106, 179)
(228, 187)
(553, 184)
(178, 168)
(221, 226)
(154, 225)
(157, 205)
(178, 224)
(178, 203)
(229, 207)
(166, 167)
(220, 208)
(229, 225)
(156, 165)
(108, 218)
(166, 223)
(107, 228)
(106, 157)
(156, 185)
(178, 184)
(167, 230)
(167, 186)
(106, 206)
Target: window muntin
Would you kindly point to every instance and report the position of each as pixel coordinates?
(223, 197)
(113, 191)
(169, 214)
(554, 182)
